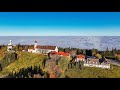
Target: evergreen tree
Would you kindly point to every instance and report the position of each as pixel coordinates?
(18, 46)
(26, 48)
(64, 50)
(107, 49)
(77, 52)
(84, 51)
(0, 67)
(115, 50)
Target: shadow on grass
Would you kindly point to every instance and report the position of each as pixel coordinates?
(30, 72)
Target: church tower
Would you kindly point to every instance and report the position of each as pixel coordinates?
(9, 47)
(35, 44)
(10, 42)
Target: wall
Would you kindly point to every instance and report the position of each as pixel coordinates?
(56, 49)
(95, 65)
(30, 50)
(9, 47)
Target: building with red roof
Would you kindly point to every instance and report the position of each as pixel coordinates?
(56, 54)
(80, 57)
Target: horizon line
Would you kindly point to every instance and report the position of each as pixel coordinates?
(56, 36)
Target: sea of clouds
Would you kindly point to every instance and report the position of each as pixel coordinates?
(83, 42)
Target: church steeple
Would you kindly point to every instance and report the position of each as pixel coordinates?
(35, 44)
(10, 43)
(35, 41)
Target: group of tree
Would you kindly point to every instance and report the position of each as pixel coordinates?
(8, 59)
(78, 65)
(110, 54)
(29, 72)
(20, 47)
(56, 66)
(88, 52)
(91, 52)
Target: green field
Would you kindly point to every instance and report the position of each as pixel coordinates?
(92, 72)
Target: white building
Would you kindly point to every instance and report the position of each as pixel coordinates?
(42, 49)
(92, 62)
(80, 57)
(10, 46)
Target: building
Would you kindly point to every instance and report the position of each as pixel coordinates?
(10, 46)
(55, 55)
(80, 57)
(94, 62)
(59, 53)
(63, 54)
(46, 49)
(42, 49)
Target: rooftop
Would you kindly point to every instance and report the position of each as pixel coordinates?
(46, 47)
(60, 53)
(80, 56)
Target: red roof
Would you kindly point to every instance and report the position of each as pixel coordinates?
(66, 54)
(80, 56)
(60, 53)
(46, 47)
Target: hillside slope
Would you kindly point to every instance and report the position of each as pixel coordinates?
(25, 60)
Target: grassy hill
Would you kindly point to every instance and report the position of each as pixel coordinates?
(2, 52)
(25, 60)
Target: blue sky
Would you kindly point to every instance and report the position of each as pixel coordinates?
(59, 23)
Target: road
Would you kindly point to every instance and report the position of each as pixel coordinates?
(115, 62)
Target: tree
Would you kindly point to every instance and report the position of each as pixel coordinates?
(77, 52)
(18, 46)
(0, 67)
(60, 49)
(84, 51)
(81, 65)
(14, 49)
(26, 48)
(114, 51)
(8, 58)
(98, 56)
(107, 49)
(93, 52)
(64, 50)
(89, 52)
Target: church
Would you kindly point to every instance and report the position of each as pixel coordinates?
(43, 49)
